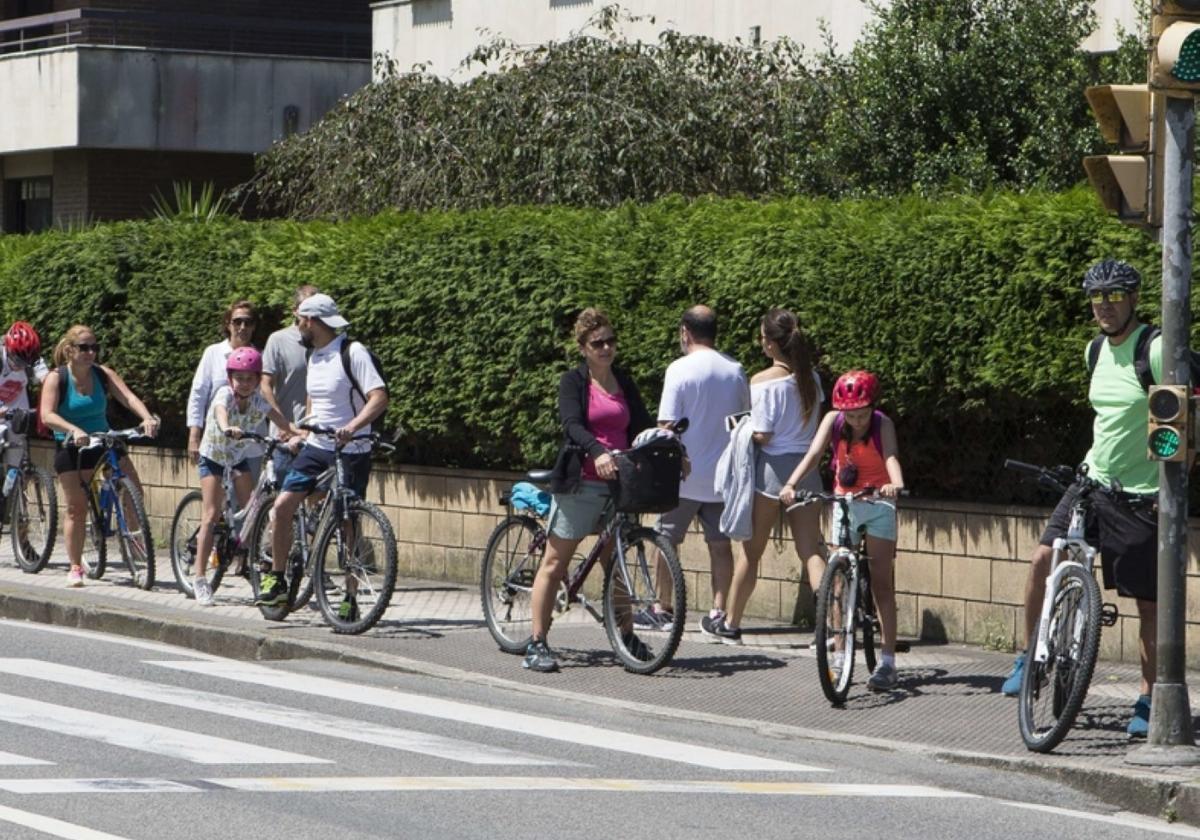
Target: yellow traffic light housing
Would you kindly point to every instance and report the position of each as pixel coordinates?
(1129, 185)
(1175, 45)
(1169, 426)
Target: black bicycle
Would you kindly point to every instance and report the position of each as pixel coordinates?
(31, 504)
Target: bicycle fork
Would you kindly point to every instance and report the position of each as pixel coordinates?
(1041, 651)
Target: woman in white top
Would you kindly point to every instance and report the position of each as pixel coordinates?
(785, 403)
(238, 325)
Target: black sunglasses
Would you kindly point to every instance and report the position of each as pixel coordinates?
(88, 348)
(601, 343)
(243, 322)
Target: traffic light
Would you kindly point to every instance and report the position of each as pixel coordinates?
(1167, 436)
(1175, 45)
(1129, 185)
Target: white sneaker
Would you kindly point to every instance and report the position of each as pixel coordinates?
(204, 593)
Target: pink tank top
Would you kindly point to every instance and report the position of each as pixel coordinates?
(608, 420)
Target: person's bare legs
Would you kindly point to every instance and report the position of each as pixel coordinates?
(745, 569)
(720, 558)
(1148, 642)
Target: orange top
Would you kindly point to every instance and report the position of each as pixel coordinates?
(868, 460)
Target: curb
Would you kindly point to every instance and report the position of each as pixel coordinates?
(1148, 792)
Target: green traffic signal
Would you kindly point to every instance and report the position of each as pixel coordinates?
(1187, 67)
(1164, 442)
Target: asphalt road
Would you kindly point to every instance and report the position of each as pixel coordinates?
(107, 737)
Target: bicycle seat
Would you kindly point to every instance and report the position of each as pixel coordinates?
(539, 476)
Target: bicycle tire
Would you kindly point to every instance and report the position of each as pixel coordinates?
(136, 543)
(510, 563)
(94, 557)
(33, 517)
(358, 576)
(1074, 643)
(185, 524)
(630, 592)
(835, 619)
(258, 559)
(867, 617)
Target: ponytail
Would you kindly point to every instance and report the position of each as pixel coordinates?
(782, 327)
(62, 350)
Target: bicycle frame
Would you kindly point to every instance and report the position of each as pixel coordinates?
(1058, 567)
(103, 488)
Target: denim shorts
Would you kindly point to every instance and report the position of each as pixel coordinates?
(311, 462)
(879, 517)
(574, 516)
(209, 467)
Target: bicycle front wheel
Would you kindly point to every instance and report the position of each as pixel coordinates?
(632, 587)
(834, 637)
(354, 568)
(185, 525)
(1052, 692)
(258, 560)
(510, 563)
(95, 545)
(133, 534)
(34, 519)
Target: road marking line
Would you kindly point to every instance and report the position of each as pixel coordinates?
(7, 758)
(49, 825)
(1123, 819)
(541, 727)
(109, 639)
(136, 735)
(274, 715)
(51, 786)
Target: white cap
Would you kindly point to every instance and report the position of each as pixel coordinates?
(322, 308)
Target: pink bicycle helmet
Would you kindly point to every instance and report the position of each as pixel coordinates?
(855, 389)
(244, 359)
(22, 342)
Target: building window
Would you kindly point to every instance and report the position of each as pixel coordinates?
(28, 205)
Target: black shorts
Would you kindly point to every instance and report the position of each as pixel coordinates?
(1126, 536)
(68, 459)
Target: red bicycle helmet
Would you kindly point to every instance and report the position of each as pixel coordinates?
(244, 359)
(855, 389)
(22, 342)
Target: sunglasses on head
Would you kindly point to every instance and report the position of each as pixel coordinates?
(1111, 295)
(88, 348)
(243, 322)
(601, 343)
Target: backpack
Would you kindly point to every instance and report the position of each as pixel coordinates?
(1141, 358)
(345, 356)
(101, 380)
(839, 423)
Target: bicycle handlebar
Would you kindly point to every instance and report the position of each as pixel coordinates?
(113, 436)
(870, 495)
(329, 431)
(1060, 477)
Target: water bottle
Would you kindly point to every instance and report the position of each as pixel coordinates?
(10, 480)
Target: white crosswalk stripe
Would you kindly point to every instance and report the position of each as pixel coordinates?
(541, 727)
(10, 759)
(145, 737)
(273, 714)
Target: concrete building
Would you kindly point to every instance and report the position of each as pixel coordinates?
(441, 33)
(106, 103)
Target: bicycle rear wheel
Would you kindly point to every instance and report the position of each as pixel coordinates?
(34, 519)
(631, 591)
(834, 639)
(510, 563)
(258, 559)
(357, 572)
(1052, 692)
(185, 525)
(95, 545)
(133, 534)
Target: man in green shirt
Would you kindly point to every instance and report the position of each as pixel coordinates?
(1125, 529)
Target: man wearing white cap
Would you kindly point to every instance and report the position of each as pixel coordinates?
(345, 392)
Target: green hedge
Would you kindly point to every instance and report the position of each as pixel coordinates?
(968, 308)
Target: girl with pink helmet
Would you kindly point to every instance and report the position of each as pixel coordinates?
(863, 443)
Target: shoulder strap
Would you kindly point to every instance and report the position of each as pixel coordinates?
(838, 423)
(1141, 356)
(345, 354)
(1093, 353)
(877, 430)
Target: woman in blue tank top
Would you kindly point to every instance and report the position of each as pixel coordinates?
(74, 404)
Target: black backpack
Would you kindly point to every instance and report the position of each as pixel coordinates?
(345, 355)
(1141, 357)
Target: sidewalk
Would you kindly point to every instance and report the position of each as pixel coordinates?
(947, 706)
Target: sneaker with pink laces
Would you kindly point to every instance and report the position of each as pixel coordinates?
(75, 577)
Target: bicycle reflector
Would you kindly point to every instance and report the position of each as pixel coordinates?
(1168, 426)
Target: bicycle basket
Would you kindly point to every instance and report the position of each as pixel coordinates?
(648, 478)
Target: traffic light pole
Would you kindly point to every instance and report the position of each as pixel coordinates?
(1171, 742)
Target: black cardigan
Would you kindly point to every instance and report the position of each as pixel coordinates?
(578, 440)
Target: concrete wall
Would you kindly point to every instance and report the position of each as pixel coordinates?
(120, 98)
(443, 32)
(960, 570)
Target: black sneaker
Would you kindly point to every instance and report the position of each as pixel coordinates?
(709, 623)
(636, 647)
(728, 635)
(273, 592)
(539, 658)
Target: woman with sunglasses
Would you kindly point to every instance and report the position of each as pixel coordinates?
(238, 325)
(601, 411)
(74, 404)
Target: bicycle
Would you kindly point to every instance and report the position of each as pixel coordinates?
(845, 606)
(31, 510)
(1060, 662)
(514, 552)
(232, 535)
(353, 548)
(115, 508)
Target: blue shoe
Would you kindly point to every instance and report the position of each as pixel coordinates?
(1139, 725)
(1012, 685)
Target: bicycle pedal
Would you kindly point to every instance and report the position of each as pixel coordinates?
(1108, 615)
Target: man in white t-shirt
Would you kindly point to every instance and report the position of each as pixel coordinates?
(334, 401)
(705, 386)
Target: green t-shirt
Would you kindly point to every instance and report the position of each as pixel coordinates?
(1120, 428)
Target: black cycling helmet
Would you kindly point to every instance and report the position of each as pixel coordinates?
(1112, 274)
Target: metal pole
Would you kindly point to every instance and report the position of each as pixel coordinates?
(1171, 741)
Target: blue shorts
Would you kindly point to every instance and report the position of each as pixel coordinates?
(311, 462)
(210, 467)
(879, 517)
(574, 516)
